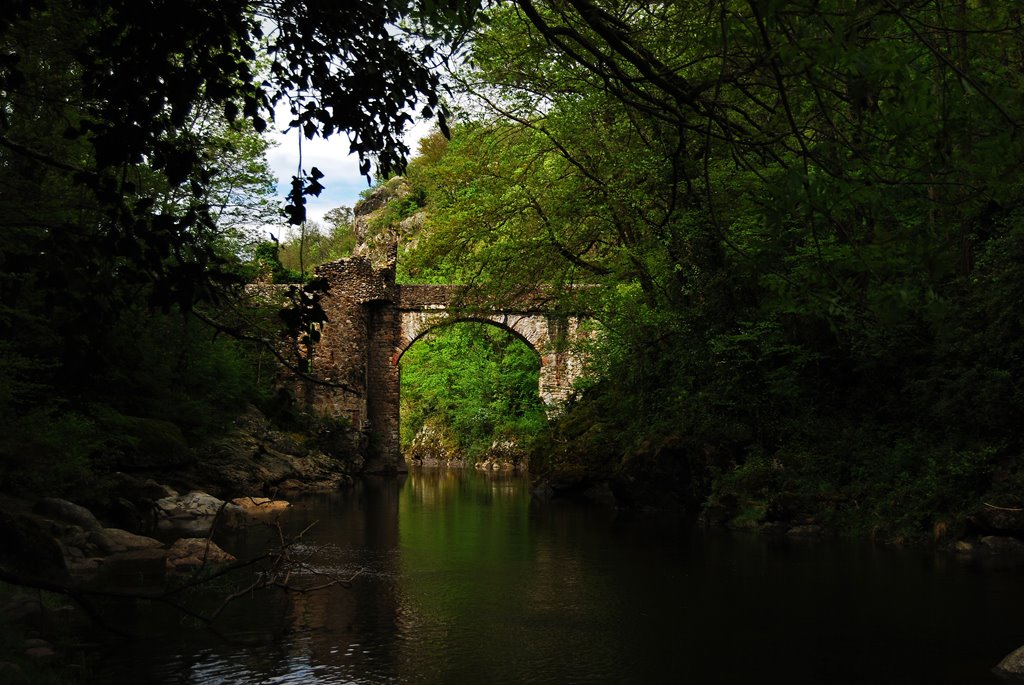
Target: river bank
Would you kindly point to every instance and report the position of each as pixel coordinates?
(136, 518)
(465, 577)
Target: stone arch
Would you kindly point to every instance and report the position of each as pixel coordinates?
(416, 325)
(372, 321)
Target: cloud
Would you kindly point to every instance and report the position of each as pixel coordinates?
(342, 181)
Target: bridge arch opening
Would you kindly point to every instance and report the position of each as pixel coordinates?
(467, 386)
(435, 328)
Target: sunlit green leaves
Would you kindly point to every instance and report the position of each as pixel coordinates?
(476, 381)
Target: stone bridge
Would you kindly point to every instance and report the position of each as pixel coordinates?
(372, 321)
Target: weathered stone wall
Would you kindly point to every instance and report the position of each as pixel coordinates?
(371, 321)
(415, 297)
(342, 357)
(548, 335)
(383, 388)
(559, 368)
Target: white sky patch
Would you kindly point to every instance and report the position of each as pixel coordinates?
(342, 181)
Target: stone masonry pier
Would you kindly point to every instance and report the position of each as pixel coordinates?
(372, 321)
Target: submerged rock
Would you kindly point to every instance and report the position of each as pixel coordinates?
(140, 568)
(245, 510)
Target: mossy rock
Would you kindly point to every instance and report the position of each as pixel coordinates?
(143, 443)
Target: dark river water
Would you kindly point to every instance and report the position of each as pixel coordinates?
(464, 580)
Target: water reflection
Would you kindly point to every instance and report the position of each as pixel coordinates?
(465, 581)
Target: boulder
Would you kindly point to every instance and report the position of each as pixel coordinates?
(84, 567)
(963, 547)
(140, 568)
(20, 608)
(76, 538)
(189, 555)
(187, 515)
(112, 540)
(193, 504)
(998, 544)
(36, 648)
(130, 501)
(248, 509)
(68, 512)
(1012, 664)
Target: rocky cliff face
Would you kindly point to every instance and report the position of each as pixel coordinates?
(384, 219)
(434, 446)
(253, 457)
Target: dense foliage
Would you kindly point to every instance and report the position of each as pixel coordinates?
(313, 244)
(798, 224)
(468, 388)
(132, 173)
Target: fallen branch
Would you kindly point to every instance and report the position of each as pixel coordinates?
(992, 506)
(283, 564)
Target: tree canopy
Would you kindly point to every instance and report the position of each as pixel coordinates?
(131, 166)
(797, 223)
(104, 93)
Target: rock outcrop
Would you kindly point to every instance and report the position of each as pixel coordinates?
(196, 513)
(61, 541)
(68, 512)
(253, 457)
(377, 230)
(433, 446)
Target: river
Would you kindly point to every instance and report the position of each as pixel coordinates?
(463, 579)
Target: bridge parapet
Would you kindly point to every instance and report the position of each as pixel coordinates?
(415, 297)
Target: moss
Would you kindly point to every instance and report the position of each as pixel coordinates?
(144, 443)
